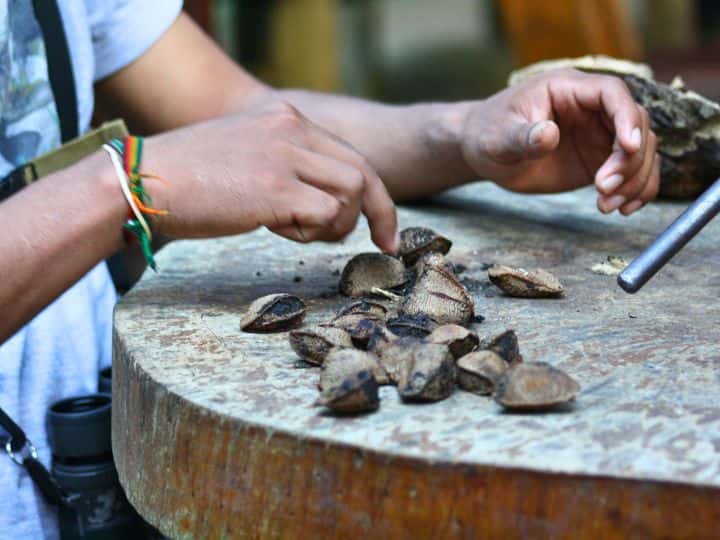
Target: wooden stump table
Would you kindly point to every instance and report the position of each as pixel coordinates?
(215, 435)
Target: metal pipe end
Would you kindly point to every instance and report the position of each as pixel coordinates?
(628, 283)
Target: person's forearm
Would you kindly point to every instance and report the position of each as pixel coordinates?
(414, 148)
(53, 232)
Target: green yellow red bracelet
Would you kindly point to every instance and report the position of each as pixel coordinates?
(130, 179)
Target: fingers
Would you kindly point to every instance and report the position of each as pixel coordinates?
(324, 163)
(533, 140)
(376, 203)
(315, 215)
(638, 192)
(622, 168)
(337, 178)
(648, 193)
(326, 198)
(611, 96)
(628, 178)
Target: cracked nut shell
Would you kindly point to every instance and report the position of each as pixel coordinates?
(429, 375)
(395, 355)
(418, 326)
(535, 386)
(368, 270)
(273, 313)
(523, 283)
(435, 260)
(438, 294)
(342, 363)
(357, 393)
(459, 339)
(417, 241)
(360, 326)
(313, 344)
(381, 338)
(369, 308)
(505, 345)
(479, 371)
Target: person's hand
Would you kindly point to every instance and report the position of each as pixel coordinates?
(271, 167)
(561, 130)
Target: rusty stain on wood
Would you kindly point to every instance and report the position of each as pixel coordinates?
(214, 434)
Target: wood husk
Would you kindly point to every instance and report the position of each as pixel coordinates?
(686, 123)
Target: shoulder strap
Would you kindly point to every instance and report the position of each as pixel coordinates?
(59, 63)
(21, 451)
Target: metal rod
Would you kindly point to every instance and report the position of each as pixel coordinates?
(672, 240)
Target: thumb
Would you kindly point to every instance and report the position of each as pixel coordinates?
(535, 140)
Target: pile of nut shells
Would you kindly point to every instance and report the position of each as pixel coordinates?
(409, 324)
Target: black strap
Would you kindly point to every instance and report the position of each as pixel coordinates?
(46, 483)
(60, 70)
(17, 435)
(21, 451)
(17, 179)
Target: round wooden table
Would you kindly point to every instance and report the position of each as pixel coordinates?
(215, 436)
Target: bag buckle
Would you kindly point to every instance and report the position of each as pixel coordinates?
(19, 456)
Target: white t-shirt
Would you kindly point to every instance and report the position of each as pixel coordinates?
(59, 353)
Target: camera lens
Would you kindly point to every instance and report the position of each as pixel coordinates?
(79, 435)
(79, 428)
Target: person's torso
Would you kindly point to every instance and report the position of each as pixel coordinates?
(59, 353)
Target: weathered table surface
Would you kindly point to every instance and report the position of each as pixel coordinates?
(214, 433)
